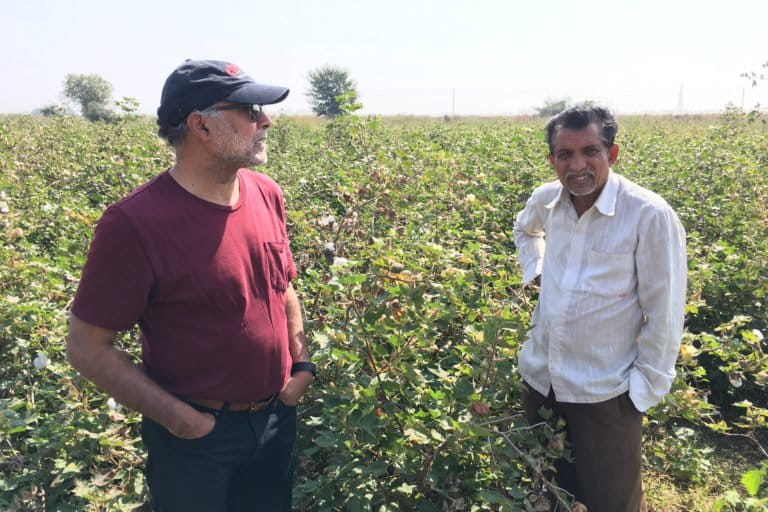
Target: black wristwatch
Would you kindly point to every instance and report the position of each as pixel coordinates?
(304, 366)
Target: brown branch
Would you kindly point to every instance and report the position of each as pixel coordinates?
(751, 437)
(537, 471)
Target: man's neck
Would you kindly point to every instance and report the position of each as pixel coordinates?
(580, 204)
(214, 185)
(584, 203)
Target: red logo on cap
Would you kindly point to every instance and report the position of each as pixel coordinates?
(232, 69)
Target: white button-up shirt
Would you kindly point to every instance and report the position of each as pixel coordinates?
(613, 281)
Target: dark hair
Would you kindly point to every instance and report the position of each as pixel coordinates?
(580, 116)
(173, 135)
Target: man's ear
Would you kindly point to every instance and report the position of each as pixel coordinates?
(613, 153)
(551, 159)
(196, 125)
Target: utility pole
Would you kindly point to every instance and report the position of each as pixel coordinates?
(453, 104)
(680, 101)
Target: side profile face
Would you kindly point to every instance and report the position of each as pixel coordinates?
(240, 141)
(582, 161)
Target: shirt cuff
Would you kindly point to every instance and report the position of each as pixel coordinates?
(645, 394)
(530, 272)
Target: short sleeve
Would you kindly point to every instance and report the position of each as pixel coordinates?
(117, 277)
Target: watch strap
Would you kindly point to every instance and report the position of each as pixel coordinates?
(304, 366)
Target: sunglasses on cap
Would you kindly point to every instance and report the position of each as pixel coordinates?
(253, 110)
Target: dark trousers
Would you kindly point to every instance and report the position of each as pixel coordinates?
(606, 439)
(245, 463)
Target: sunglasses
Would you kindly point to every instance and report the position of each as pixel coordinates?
(253, 110)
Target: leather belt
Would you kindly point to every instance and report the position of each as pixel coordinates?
(222, 405)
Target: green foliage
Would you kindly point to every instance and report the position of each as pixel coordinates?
(756, 498)
(129, 107)
(752, 480)
(416, 316)
(332, 92)
(680, 455)
(553, 106)
(92, 93)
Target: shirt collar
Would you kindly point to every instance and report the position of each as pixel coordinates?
(606, 201)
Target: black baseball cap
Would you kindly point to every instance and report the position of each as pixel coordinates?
(198, 84)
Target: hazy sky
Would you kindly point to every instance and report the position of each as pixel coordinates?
(407, 56)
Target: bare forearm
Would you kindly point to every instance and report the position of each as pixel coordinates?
(297, 340)
(110, 369)
(299, 382)
(90, 351)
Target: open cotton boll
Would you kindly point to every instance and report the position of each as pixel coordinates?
(41, 361)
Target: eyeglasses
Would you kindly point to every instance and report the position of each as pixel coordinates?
(253, 110)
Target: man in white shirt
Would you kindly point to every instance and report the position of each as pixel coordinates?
(610, 258)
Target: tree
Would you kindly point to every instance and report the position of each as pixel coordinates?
(552, 106)
(331, 91)
(129, 108)
(93, 94)
(55, 110)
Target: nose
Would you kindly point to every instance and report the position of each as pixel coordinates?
(264, 121)
(578, 162)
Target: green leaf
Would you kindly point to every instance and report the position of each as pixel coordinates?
(326, 439)
(138, 483)
(8, 484)
(732, 497)
(494, 497)
(437, 436)
(377, 468)
(751, 480)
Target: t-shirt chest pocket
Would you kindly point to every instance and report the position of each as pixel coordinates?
(609, 274)
(276, 255)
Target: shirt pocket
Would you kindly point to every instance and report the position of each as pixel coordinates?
(609, 274)
(276, 256)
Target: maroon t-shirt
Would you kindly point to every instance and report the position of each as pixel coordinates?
(205, 282)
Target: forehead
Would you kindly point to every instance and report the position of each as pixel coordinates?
(577, 137)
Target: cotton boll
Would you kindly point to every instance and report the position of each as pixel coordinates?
(113, 405)
(41, 361)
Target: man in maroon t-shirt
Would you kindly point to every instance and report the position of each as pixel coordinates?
(198, 257)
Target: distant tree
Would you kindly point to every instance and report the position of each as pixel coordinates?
(331, 91)
(93, 93)
(552, 106)
(129, 107)
(54, 110)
